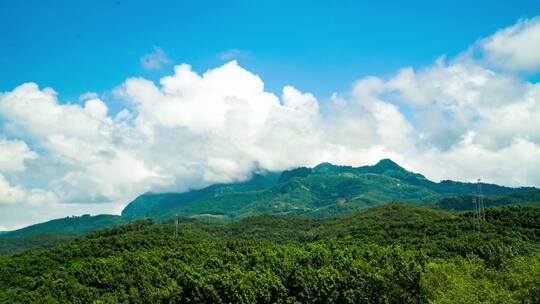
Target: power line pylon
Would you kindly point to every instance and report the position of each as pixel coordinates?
(176, 225)
(479, 214)
(475, 219)
(481, 210)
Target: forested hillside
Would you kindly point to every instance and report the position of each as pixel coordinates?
(323, 191)
(463, 202)
(15, 244)
(148, 202)
(48, 234)
(395, 253)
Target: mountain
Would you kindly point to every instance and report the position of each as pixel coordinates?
(54, 232)
(325, 190)
(150, 201)
(322, 191)
(391, 253)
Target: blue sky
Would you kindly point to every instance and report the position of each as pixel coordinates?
(317, 46)
(96, 108)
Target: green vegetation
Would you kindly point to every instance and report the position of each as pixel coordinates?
(463, 202)
(48, 234)
(70, 225)
(394, 253)
(323, 191)
(11, 245)
(162, 201)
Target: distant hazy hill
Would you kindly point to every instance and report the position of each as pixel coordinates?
(463, 202)
(16, 244)
(69, 225)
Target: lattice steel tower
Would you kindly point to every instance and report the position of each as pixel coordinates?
(479, 214)
(175, 225)
(482, 213)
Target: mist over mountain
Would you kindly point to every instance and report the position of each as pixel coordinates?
(322, 191)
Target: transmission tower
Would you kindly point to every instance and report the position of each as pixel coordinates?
(479, 214)
(475, 219)
(482, 213)
(175, 225)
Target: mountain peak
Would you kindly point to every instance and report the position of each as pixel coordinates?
(322, 167)
(327, 167)
(388, 164)
(297, 172)
(382, 166)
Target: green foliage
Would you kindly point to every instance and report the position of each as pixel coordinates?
(137, 225)
(394, 253)
(463, 202)
(469, 280)
(10, 245)
(219, 272)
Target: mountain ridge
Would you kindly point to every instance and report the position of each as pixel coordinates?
(321, 191)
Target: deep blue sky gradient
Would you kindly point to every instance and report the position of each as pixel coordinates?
(316, 46)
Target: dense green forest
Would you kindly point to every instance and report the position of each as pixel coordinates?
(10, 245)
(392, 253)
(463, 202)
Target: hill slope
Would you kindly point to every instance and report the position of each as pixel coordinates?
(69, 225)
(16, 244)
(322, 191)
(162, 201)
(463, 202)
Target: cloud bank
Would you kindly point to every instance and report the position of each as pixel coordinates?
(463, 118)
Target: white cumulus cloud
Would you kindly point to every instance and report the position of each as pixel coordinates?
(13, 154)
(10, 194)
(514, 48)
(453, 119)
